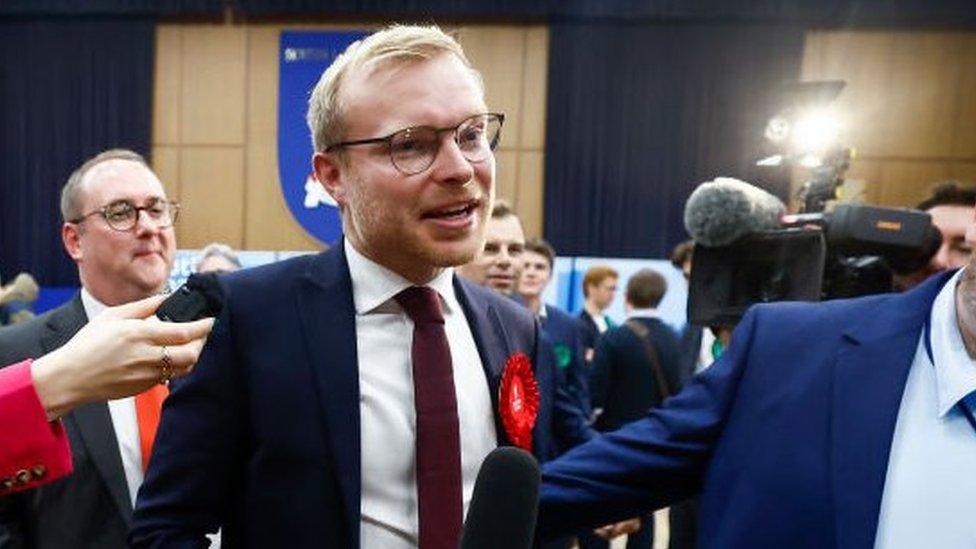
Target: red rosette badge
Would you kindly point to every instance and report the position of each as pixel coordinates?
(518, 400)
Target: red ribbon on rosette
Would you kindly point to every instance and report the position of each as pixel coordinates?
(518, 400)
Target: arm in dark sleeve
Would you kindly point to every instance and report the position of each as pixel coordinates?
(189, 486)
(649, 463)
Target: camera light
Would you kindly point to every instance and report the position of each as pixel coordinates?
(815, 131)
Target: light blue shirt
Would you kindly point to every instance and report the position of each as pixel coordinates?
(929, 497)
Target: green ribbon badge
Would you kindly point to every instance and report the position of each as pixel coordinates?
(563, 355)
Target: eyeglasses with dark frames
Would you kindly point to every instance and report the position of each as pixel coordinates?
(413, 150)
(123, 215)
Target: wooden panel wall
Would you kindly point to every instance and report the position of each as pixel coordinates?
(215, 127)
(909, 107)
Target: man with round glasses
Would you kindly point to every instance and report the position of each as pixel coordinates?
(118, 229)
(348, 399)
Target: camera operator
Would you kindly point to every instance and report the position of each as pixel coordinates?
(951, 206)
(847, 423)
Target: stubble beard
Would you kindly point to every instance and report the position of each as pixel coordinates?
(377, 232)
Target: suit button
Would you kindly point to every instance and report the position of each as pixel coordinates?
(6, 484)
(23, 476)
(38, 471)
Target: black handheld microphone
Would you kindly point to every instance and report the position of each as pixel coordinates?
(201, 296)
(505, 502)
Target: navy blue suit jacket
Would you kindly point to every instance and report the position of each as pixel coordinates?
(623, 381)
(787, 435)
(263, 438)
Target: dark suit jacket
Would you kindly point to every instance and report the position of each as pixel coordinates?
(563, 332)
(589, 330)
(90, 508)
(623, 381)
(263, 437)
(787, 435)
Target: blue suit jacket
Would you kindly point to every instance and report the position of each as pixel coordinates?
(563, 330)
(623, 382)
(263, 437)
(787, 436)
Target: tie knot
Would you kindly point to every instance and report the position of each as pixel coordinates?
(421, 304)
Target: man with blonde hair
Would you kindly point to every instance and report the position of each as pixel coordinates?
(347, 399)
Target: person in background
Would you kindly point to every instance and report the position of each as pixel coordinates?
(698, 349)
(498, 263)
(698, 345)
(559, 326)
(217, 258)
(599, 289)
(951, 206)
(118, 229)
(635, 368)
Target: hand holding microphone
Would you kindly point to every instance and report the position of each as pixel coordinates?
(123, 351)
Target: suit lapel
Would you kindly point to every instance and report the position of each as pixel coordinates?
(491, 340)
(92, 421)
(869, 378)
(328, 317)
(63, 324)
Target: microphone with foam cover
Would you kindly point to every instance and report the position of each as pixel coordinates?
(722, 211)
(22, 289)
(505, 502)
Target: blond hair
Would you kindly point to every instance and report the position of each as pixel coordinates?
(399, 44)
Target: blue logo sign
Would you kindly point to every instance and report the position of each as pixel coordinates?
(302, 59)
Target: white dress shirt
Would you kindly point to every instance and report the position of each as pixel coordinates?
(705, 355)
(930, 487)
(124, 421)
(384, 336)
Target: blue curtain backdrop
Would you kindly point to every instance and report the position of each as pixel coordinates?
(110, 7)
(69, 88)
(807, 12)
(638, 115)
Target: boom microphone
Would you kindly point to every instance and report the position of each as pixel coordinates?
(720, 212)
(23, 289)
(505, 502)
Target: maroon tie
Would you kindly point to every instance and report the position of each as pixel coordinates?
(438, 441)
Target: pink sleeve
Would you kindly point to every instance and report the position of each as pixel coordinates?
(33, 451)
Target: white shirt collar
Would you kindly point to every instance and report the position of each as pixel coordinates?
(93, 307)
(955, 371)
(373, 285)
(643, 313)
